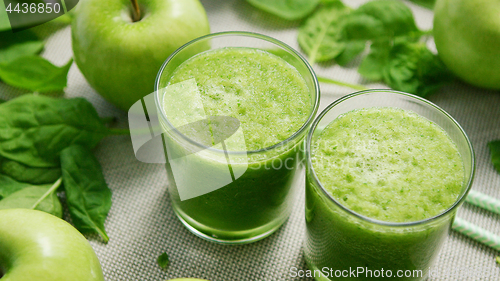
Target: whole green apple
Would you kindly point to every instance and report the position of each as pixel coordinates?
(35, 245)
(120, 58)
(467, 36)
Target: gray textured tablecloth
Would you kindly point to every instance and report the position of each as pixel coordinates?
(142, 225)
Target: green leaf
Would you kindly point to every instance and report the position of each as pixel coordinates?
(163, 260)
(25, 173)
(9, 186)
(87, 194)
(359, 26)
(320, 36)
(414, 69)
(372, 66)
(34, 129)
(43, 198)
(34, 73)
(352, 49)
(495, 154)
(286, 9)
(429, 4)
(394, 16)
(336, 32)
(18, 44)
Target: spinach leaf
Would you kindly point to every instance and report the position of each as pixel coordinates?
(34, 73)
(9, 186)
(34, 129)
(372, 66)
(19, 44)
(388, 18)
(43, 198)
(163, 260)
(429, 4)
(25, 173)
(286, 9)
(352, 49)
(320, 36)
(87, 194)
(495, 153)
(378, 21)
(415, 69)
(337, 32)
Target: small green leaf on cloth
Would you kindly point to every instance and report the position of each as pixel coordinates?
(34, 73)
(286, 9)
(495, 154)
(87, 194)
(163, 260)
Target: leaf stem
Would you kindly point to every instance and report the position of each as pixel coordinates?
(331, 81)
(117, 132)
(103, 235)
(136, 12)
(46, 194)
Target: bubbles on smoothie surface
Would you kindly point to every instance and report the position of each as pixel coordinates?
(388, 164)
(266, 94)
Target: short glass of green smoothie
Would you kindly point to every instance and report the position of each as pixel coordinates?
(385, 174)
(235, 108)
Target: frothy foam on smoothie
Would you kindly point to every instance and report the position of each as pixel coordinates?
(266, 94)
(388, 164)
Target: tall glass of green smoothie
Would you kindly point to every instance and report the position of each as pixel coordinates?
(234, 117)
(385, 174)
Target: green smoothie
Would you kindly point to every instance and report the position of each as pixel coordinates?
(271, 101)
(389, 165)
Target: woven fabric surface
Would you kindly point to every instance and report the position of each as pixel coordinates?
(142, 224)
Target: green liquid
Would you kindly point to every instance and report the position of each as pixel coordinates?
(271, 100)
(389, 165)
(266, 94)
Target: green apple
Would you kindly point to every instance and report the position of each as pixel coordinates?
(467, 36)
(38, 246)
(120, 58)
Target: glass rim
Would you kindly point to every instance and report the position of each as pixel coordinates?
(305, 125)
(457, 202)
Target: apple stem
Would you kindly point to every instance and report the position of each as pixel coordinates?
(136, 12)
